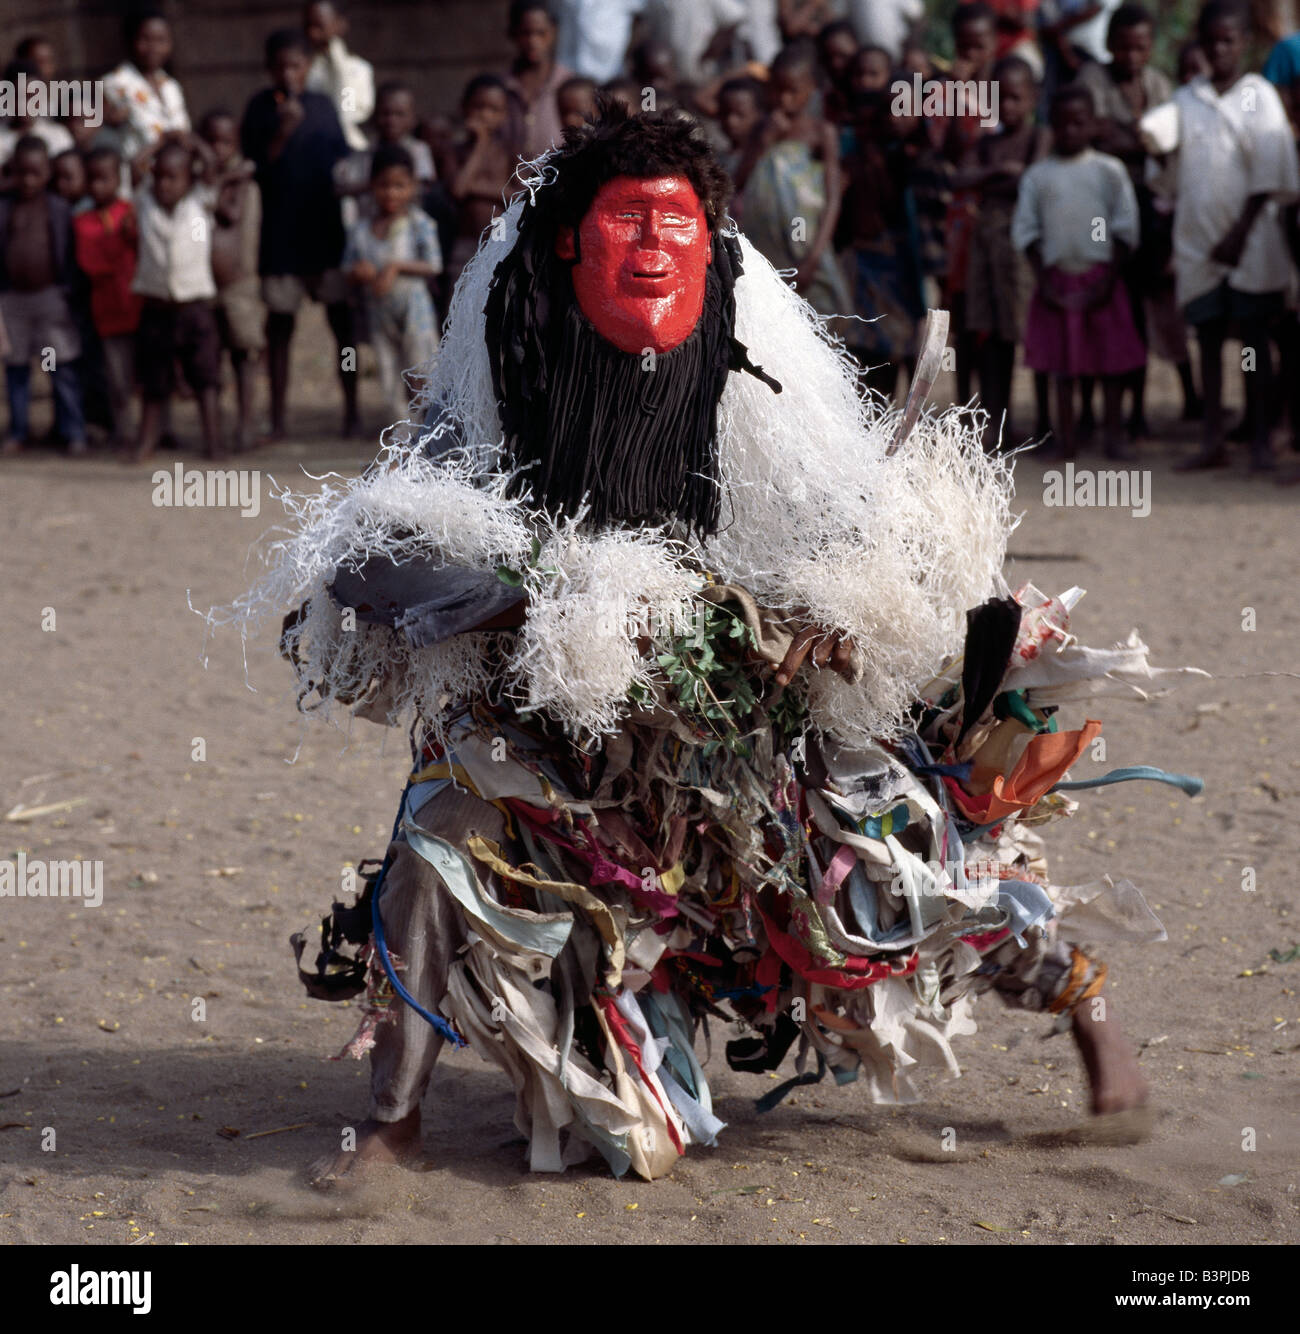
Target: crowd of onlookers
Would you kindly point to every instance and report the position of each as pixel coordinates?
(1100, 213)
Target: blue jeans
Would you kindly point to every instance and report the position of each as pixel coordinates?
(69, 420)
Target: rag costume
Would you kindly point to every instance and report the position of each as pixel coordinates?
(615, 826)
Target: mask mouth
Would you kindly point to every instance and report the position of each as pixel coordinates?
(650, 273)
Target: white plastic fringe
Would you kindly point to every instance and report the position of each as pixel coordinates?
(816, 519)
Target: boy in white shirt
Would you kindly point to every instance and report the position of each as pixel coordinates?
(173, 274)
(1236, 164)
(344, 77)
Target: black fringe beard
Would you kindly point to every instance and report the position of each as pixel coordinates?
(630, 434)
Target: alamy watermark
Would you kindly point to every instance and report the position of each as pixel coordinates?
(1086, 488)
(24, 878)
(53, 99)
(946, 98)
(188, 488)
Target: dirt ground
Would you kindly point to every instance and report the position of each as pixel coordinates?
(209, 865)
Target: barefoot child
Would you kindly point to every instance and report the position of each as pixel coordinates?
(1076, 219)
(999, 281)
(174, 276)
(293, 138)
(106, 253)
(241, 316)
(391, 256)
(796, 174)
(37, 268)
(485, 162)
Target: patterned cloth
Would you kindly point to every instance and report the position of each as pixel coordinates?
(784, 200)
(152, 110)
(403, 327)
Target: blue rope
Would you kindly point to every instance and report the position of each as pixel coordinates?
(439, 1024)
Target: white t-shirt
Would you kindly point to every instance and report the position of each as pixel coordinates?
(349, 82)
(1076, 208)
(151, 112)
(175, 258)
(688, 29)
(1229, 148)
(594, 35)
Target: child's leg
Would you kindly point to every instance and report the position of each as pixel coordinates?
(1112, 388)
(279, 337)
(242, 364)
(69, 415)
(339, 314)
(151, 422)
(1193, 408)
(992, 389)
(1042, 403)
(1087, 419)
(210, 421)
(1064, 427)
(386, 364)
(18, 387)
(1256, 336)
(1209, 337)
(119, 366)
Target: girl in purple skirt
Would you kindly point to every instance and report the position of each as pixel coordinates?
(1076, 219)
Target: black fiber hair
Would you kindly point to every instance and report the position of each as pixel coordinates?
(285, 39)
(585, 420)
(1219, 11)
(390, 155)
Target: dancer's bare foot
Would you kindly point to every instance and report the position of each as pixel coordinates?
(384, 1142)
(1113, 1074)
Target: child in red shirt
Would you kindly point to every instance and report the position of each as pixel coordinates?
(106, 248)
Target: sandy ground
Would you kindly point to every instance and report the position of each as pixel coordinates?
(170, 1128)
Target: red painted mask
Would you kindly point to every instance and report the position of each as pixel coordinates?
(645, 248)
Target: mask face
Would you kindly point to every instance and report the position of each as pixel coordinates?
(645, 248)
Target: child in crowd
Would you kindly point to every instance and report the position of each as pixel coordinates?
(791, 169)
(1076, 219)
(485, 163)
(141, 100)
(341, 75)
(395, 123)
(53, 135)
(575, 100)
(1122, 92)
(741, 104)
(837, 44)
(876, 236)
(173, 275)
(391, 256)
(106, 239)
(294, 140)
(534, 79)
(975, 36)
(999, 281)
(37, 268)
(1237, 163)
(68, 180)
(241, 316)
(870, 71)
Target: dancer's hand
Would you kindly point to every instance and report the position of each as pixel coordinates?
(828, 648)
